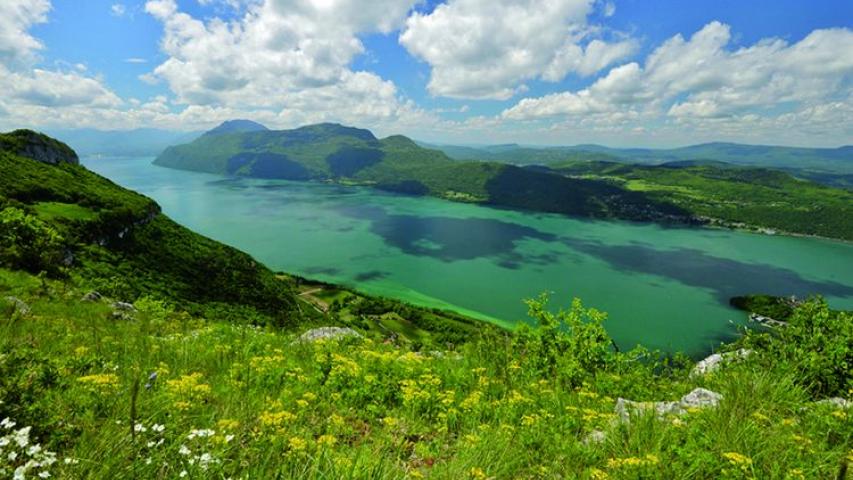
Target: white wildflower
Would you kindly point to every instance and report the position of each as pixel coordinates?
(184, 450)
(7, 423)
(157, 427)
(22, 437)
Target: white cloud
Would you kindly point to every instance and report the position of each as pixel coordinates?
(489, 48)
(702, 78)
(118, 10)
(56, 89)
(16, 17)
(135, 60)
(31, 94)
(288, 60)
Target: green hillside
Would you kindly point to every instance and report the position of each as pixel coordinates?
(331, 152)
(730, 195)
(197, 380)
(828, 166)
(65, 222)
(71, 223)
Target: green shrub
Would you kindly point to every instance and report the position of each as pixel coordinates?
(28, 243)
(817, 344)
(569, 344)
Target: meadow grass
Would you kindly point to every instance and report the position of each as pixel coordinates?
(167, 395)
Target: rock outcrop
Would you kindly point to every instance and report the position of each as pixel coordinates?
(717, 360)
(327, 333)
(39, 147)
(699, 398)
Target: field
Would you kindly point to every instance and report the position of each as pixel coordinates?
(163, 394)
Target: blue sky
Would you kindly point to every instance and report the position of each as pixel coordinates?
(465, 71)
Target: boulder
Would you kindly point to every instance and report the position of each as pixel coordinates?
(699, 398)
(717, 360)
(327, 333)
(92, 296)
(595, 436)
(21, 307)
(123, 307)
(836, 402)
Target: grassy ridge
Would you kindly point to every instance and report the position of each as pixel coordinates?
(118, 242)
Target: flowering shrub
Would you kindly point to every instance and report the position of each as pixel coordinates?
(19, 457)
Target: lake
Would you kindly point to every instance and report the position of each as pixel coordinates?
(662, 287)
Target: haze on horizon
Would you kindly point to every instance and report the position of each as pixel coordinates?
(656, 73)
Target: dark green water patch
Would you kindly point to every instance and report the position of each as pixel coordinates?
(725, 276)
(450, 238)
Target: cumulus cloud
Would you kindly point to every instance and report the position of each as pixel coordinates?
(700, 77)
(27, 88)
(488, 48)
(16, 17)
(275, 48)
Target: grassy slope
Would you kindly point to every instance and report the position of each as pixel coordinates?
(348, 155)
(748, 196)
(496, 408)
(501, 405)
(123, 246)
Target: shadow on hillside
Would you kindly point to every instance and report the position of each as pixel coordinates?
(528, 189)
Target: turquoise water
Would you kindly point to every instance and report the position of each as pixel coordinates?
(663, 287)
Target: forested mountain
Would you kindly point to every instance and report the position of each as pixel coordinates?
(829, 166)
(573, 182)
(332, 152)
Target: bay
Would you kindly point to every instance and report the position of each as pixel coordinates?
(663, 287)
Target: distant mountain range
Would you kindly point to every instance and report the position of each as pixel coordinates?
(141, 142)
(565, 180)
(830, 166)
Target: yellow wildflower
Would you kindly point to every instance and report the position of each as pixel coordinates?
(327, 441)
(101, 382)
(477, 473)
(297, 444)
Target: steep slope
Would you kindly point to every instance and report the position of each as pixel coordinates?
(60, 218)
(331, 152)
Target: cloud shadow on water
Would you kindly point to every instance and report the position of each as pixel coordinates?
(725, 276)
(452, 239)
(371, 275)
